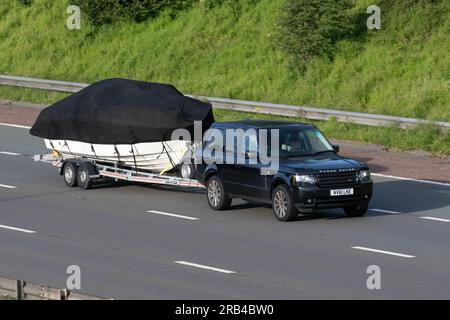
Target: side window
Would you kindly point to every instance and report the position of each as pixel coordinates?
(303, 142)
(294, 142)
(251, 143)
(211, 137)
(229, 142)
(224, 134)
(243, 141)
(207, 136)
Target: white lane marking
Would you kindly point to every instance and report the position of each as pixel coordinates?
(385, 252)
(435, 219)
(7, 187)
(10, 153)
(172, 215)
(16, 229)
(204, 267)
(14, 125)
(410, 179)
(385, 211)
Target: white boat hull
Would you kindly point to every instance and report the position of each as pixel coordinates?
(157, 157)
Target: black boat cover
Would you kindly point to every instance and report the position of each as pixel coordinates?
(121, 111)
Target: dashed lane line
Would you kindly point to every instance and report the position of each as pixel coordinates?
(201, 266)
(384, 252)
(16, 229)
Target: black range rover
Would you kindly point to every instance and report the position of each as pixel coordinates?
(311, 175)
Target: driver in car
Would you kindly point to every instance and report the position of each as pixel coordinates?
(292, 143)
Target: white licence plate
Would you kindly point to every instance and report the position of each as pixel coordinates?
(341, 192)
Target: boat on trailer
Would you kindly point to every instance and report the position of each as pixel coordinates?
(125, 129)
(156, 157)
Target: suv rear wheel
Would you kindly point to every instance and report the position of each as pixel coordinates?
(218, 199)
(357, 211)
(283, 204)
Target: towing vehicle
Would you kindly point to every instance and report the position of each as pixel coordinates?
(311, 174)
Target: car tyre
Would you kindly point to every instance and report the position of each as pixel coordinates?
(283, 204)
(86, 170)
(218, 198)
(70, 172)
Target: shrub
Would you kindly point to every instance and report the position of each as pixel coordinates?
(210, 4)
(26, 2)
(310, 28)
(100, 12)
(108, 11)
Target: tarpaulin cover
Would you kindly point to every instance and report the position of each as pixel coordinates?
(121, 111)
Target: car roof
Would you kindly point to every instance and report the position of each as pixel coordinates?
(258, 124)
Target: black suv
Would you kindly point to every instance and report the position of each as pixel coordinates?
(310, 173)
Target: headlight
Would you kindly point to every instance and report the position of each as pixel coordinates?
(304, 179)
(364, 175)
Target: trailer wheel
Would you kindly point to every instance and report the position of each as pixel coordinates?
(85, 170)
(70, 174)
(187, 171)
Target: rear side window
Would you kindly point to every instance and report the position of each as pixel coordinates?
(251, 143)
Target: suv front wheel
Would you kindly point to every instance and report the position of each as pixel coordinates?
(283, 204)
(218, 199)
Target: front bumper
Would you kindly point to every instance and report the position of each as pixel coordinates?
(314, 197)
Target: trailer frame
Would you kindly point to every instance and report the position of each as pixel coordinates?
(116, 172)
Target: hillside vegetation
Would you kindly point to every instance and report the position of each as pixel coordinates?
(232, 50)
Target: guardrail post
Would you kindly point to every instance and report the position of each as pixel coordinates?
(20, 292)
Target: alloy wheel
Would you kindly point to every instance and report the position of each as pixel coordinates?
(280, 204)
(214, 193)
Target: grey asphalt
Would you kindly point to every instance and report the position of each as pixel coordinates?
(124, 252)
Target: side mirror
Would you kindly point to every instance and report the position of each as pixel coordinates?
(336, 148)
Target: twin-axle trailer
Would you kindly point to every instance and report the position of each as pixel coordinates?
(84, 173)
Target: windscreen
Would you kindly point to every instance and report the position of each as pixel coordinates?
(303, 142)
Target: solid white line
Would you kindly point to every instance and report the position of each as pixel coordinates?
(14, 125)
(435, 219)
(385, 211)
(172, 215)
(7, 187)
(10, 153)
(385, 252)
(16, 229)
(412, 180)
(204, 267)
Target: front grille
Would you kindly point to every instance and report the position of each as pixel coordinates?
(337, 179)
